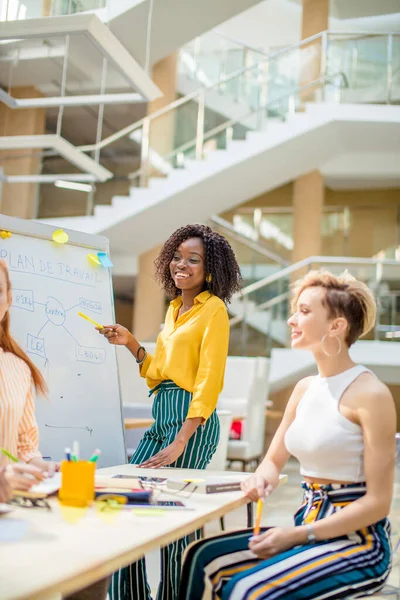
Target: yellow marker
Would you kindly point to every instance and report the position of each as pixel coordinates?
(5, 234)
(258, 517)
(90, 320)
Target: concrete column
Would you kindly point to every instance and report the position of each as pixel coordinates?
(308, 202)
(20, 199)
(162, 129)
(315, 19)
(149, 308)
(46, 8)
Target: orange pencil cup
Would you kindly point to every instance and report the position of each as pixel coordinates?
(77, 483)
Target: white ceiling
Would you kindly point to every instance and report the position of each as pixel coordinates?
(350, 9)
(277, 23)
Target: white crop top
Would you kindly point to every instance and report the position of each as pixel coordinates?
(327, 445)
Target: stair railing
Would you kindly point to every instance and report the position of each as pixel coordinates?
(253, 117)
(373, 271)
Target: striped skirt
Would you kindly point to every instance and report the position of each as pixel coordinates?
(170, 407)
(350, 566)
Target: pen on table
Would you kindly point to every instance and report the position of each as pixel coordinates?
(95, 455)
(9, 455)
(68, 454)
(81, 314)
(258, 517)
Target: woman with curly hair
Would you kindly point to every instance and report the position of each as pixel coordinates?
(199, 272)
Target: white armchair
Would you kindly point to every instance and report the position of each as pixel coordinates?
(245, 393)
(218, 461)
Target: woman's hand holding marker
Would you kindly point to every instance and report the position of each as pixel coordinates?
(116, 334)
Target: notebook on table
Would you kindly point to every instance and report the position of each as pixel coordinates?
(206, 485)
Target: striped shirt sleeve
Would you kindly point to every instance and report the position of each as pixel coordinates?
(28, 434)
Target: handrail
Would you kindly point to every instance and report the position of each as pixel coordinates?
(223, 126)
(176, 103)
(364, 33)
(323, 36)
(238, 42)
(343, 260)
(330, 260)
(248, 242)
(264, 306)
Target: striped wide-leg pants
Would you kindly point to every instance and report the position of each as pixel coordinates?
(350, 566)
(170, 407)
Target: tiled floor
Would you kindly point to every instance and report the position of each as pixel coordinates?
(279, 510)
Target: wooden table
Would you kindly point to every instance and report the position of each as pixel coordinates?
(64, 550)
(137, 423)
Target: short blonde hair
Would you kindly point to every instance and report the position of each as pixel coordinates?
(345, 297)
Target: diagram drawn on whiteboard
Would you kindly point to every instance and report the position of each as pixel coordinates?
(55, 315)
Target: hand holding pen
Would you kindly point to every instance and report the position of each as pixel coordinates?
(19, 475)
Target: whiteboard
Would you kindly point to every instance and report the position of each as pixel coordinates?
(51, 283)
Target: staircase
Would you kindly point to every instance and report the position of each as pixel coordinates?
(264, 160)
(196, 161)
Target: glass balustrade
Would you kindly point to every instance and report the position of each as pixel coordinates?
(213, 56)
(250, 99)
(264, 307)
(15, 10)
(255, 260)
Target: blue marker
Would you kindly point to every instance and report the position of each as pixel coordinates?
(68, 454)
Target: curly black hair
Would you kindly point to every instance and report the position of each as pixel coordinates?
(219, 262)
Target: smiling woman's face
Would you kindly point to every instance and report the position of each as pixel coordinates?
(187, 265)
(311, 321)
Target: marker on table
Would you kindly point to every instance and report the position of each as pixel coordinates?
(258, 517)
(95, 455)
(9, 455)
(81, 314)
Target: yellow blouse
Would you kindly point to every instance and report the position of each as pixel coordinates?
(191, 351)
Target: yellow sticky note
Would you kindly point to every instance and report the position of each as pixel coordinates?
(94, 259)
(60, 236)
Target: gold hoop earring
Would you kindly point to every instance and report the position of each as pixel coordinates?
(209, 278)
(338, 350)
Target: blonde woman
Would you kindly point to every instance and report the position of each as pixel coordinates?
(340, 425)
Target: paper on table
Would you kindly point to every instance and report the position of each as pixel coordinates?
(60, 236)
(105, 261)
(43, 489)
(104, 481)
(13, 530)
